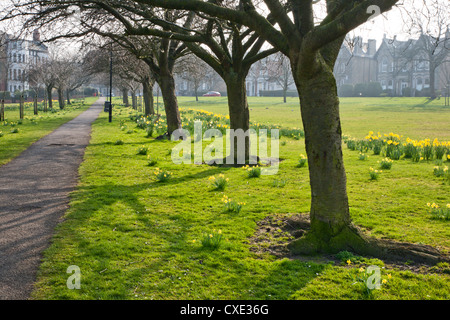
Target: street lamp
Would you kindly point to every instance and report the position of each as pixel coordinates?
(110, 85)
(108, 104)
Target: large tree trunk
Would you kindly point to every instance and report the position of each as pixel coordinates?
(238, 112)
(432, 81)
(68, 97)
(167, 85)
(147, 91)
(61, 98)
(331, 227)
(50, 97)
(125, 97)
(133, 100)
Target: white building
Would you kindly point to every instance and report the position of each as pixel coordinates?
(21, 54)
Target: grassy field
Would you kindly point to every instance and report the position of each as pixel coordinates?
(134, 237)
(17, 135)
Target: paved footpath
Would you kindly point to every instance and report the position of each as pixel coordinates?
(34, 195)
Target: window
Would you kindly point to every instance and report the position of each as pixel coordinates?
(384, 65)
(15, 74)
(14, 57)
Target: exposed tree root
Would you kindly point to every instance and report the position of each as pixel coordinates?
(353, 239)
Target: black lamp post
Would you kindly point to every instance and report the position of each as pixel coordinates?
(110, 85)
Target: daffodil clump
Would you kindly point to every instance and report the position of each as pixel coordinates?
(437, 212)
(212, 240)
(386, 163)
(151, 124)
(162, 175)
(440, 171)
(448, 156)
(393, 147)
(363, 156)
(367, 280)
(220, 182)
(211, 120)
(302, 161)
(142, 150)
(231, 205)
(253, 172)
(151, 162)
(374, 174)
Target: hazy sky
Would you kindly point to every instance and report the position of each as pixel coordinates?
(391, 23)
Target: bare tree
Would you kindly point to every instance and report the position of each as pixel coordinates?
(312, 42)
(433, 45)
(80, 73)
(44, 73)
(194, 70)
(280, 71)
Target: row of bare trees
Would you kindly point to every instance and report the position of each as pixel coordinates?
(64, 73)
(230, 36)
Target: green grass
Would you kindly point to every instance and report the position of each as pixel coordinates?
(32, 128)
(417, 118)
(136, 238)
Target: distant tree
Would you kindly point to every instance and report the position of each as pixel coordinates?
(280, 71)
(193, 70)
(432, 24)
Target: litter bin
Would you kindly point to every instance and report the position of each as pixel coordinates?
(107, 106)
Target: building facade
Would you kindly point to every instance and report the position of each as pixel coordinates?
(402, 68)
(18, 56)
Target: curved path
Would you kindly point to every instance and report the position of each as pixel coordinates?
(34, 195)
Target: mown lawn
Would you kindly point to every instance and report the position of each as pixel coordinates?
(17, 135)
(136, 238)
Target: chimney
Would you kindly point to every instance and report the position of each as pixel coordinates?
(372, 47)
(36, 36)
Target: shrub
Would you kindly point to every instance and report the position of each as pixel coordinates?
(346, 90)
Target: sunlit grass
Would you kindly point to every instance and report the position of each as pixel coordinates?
(134, 237)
